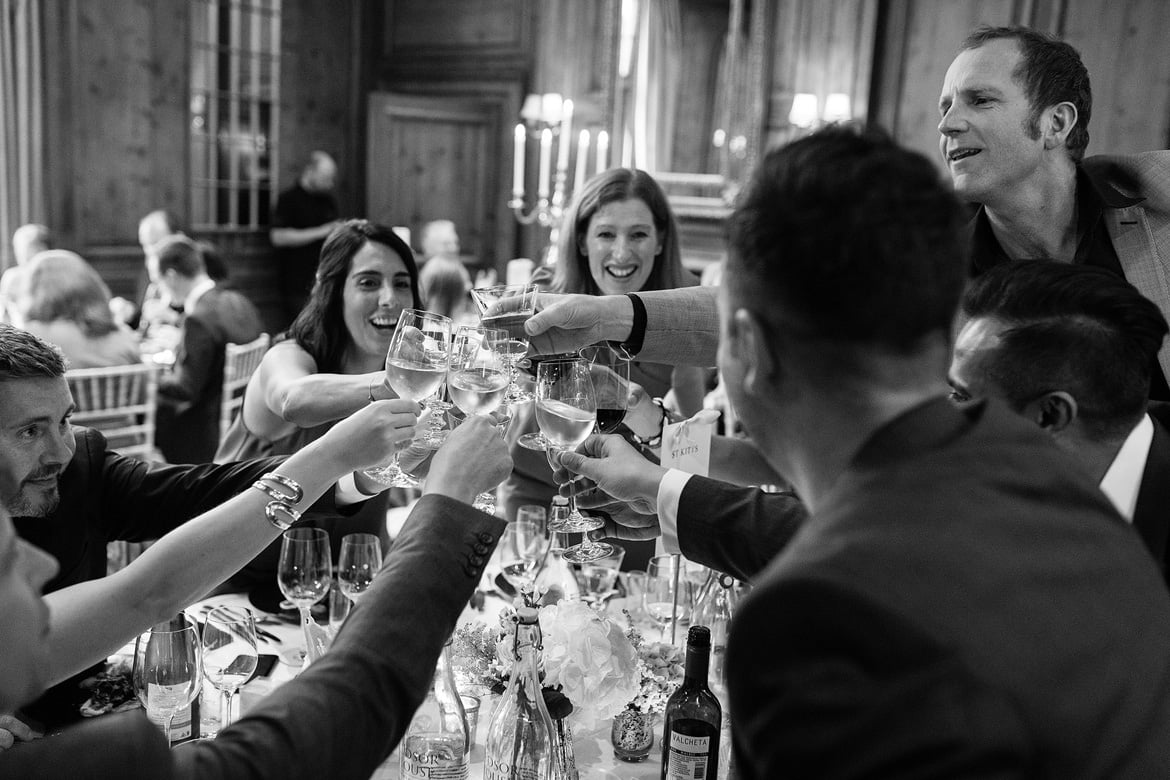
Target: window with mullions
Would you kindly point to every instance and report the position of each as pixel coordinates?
(235, 99)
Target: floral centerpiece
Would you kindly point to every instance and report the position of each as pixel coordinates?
(588, 659)
(660, 668)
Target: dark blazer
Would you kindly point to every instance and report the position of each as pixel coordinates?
(346, 712)
(189, 396)
(107, 497)
(1151, 514)
(964, 603)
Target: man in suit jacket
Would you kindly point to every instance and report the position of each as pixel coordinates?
(346, 712)
(957, 581)
(1070, 347)
(189, 396)
(1015, 111)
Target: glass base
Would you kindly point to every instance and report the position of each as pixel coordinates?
(533, 441)
(583, 553)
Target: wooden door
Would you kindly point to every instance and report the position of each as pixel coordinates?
(438, 158)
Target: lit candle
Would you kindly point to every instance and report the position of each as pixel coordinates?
(566, 137)
(582, 156)
(602, 151)
(518, 163)
(545, 163)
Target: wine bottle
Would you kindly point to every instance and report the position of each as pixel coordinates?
(693, 718)
(519, 740)
(437, 743)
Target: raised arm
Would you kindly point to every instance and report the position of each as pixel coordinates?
(92, 619)
(287, 393)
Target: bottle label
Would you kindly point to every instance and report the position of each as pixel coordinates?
(161, 699)
(434, 756)
(688, 757)
(501, 770)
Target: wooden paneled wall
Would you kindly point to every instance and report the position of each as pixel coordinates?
(118, 94)
(1122, 43)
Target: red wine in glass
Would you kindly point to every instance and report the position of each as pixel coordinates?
(608, 420)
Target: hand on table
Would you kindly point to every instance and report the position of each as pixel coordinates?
(13, 730)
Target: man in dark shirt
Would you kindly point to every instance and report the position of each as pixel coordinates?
(305, 214)
(1015, 109)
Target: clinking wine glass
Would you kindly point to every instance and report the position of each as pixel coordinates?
(477, 380)
(168, 670)
(507, 307)
(304, 577)
(358, 563)
(609, 368)
(416, 365)
(229, 654)
(566, 411)
(438, 405)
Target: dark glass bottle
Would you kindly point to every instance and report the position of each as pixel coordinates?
(693, 718)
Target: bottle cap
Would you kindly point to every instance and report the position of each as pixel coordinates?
(529, 616)
(699, 636)
(560, 501)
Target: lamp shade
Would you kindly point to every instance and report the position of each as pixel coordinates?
(837, 108)
(804, 110)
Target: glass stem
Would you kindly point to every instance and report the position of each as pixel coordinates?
(306, 619)
(167, 727)
(225, 708)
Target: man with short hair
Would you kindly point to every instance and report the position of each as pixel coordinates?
(190, 394)
(1015, 108)
(1070, 347)
(957, 582)
(305, 215)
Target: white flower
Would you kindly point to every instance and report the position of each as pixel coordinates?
(590, 659)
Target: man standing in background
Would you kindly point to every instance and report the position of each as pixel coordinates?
(304, 215)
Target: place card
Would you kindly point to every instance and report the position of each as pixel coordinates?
(686, 446)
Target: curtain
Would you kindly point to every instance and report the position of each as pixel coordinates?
(656, 84)
(22, 195)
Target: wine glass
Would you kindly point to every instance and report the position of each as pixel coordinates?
(609, 368)
(522, 547)
(438, 405)
(566, 411)
(669, 592)
(599, 578)
(507, 307)
(304, 577)
(359, 561)
(416, 365)
(168, 670)
(229, 654)
(477, 379)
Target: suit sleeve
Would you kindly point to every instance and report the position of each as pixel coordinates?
(682, 326)
(344, 715)
(827, 684)
(735, 529)
(194, 368)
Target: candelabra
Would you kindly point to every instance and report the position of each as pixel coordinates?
(550, 117)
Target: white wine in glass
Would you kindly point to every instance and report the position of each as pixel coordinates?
(416, 366)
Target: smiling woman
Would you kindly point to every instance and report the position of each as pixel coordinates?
(330, 363)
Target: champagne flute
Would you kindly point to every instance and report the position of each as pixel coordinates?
(477, 380)
(359, 561)
(566, 411)
(167, 672)
(523, 546)
(304, 577)
(507, 307)
(416, 365)
(669, 592)
(609, 368)
(229, 654)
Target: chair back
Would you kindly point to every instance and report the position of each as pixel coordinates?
(240, 361)
(119, 401)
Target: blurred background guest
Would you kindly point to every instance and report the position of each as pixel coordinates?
(304, 215)
(439, 239)
(27, 241)
(190, 394)
(446, 287)
(330, 363)
(619, 236)
(62, 299)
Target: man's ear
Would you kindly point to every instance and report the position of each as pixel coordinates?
(1060, 120)
(752, 345)
(1054, 411)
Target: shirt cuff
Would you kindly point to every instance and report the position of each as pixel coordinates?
(669, 494)
(346, 492)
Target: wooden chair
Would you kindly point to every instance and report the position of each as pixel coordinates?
(120, 402)
(240, 361)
